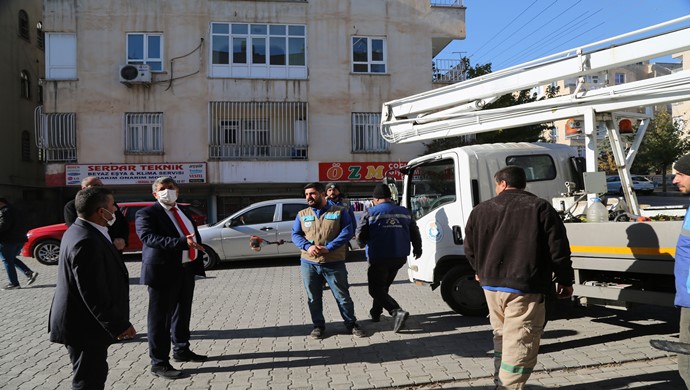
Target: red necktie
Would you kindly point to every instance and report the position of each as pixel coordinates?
(185, 231)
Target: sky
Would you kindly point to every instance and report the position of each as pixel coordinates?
(511, 32)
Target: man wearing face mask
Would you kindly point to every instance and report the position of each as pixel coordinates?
(118, 227)
(170, 262)
(90, 308)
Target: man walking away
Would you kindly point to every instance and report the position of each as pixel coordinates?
(12, 237)
(387, 230)
(516, 242)
(322, 232)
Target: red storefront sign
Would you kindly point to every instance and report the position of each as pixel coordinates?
(359, 171)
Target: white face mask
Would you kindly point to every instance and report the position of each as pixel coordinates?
(167, 196)
(111, 221)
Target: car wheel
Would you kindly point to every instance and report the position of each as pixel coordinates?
(47, 252)
(463, 293)
(210, 258)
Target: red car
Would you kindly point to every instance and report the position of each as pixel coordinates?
(43, 243)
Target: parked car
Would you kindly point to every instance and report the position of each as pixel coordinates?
(270, 220)
(640, 184)
(43, 243)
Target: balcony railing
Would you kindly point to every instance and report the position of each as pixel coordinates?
(56, 135)
(446, 3)
(258, 130)
(448, 71)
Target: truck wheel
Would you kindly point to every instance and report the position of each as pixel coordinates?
(210, 258)
(463, 294)
(47, 252)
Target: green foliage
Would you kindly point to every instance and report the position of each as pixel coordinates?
(528, 133)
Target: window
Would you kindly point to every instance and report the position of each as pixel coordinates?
(144, 133)
(431, 186)
(366, 133)
(290, 211)
(537, 167)
(25, 83)
(243, 50)
(368, 55)
(40, 35)
(24, 25)
(619, 78)
(61, 56)
(26, 146)
(144, 48)
(258, 215)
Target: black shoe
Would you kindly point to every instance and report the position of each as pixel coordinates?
(11, 287)
(166, 371)
(671, 346)
(32, 278)
(358, 332)
(317, 333)
(399, 318)
(189, 356)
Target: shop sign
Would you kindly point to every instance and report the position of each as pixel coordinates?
(359, 171)
(114, 174)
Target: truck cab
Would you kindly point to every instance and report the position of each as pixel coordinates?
(440, 191)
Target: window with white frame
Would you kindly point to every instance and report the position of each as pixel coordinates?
(619, 78)
(368, 55)
(61, 56)
(366, 133)
(144, 132)
(243, 50)
(145, 48)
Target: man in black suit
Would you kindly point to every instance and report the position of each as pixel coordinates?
(118, 231)
(90, 307)
(170, 260)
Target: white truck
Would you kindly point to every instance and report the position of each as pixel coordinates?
(615, 262)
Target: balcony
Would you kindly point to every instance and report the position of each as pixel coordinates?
(447, 3)
(56, 136)
(258, 130)
(447, 71)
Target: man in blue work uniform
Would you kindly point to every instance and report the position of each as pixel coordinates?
(387, 230)
(322, 232)
(682, 268)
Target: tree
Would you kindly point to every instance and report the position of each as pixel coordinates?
(664, 143)
(529, 133)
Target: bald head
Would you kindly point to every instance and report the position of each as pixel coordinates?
(91, 181)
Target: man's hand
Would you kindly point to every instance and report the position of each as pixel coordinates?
(417, 253)
(564, 292)
(119, 243)
(476, 277)
(317, 250)
(193, 244)
(128, 334)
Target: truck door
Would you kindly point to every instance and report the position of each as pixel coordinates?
(432, 195)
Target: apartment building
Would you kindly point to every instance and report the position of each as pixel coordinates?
(21, 49)
(240, 101)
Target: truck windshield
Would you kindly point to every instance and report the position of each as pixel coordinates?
(431, 186)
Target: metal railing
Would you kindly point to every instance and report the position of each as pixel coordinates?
(448, 71)
(56, 135)
(446, 3)
(258, 130)
(366, 133)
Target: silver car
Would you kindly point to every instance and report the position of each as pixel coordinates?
(269, 220)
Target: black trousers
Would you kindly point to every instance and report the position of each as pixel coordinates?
(381, 275)
(89, 366)
(169, 314)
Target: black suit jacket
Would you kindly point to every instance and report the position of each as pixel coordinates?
(120, 228)
(161, 257)
(91, 301)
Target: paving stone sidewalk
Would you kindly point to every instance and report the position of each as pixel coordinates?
(251, 318)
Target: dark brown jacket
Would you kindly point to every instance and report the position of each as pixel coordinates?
(517, 240)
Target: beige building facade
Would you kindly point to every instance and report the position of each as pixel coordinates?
(239, 100)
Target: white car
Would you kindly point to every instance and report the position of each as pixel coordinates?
(269, 220)
(639, 184)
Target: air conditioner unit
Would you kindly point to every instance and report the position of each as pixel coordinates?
(135, 74)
